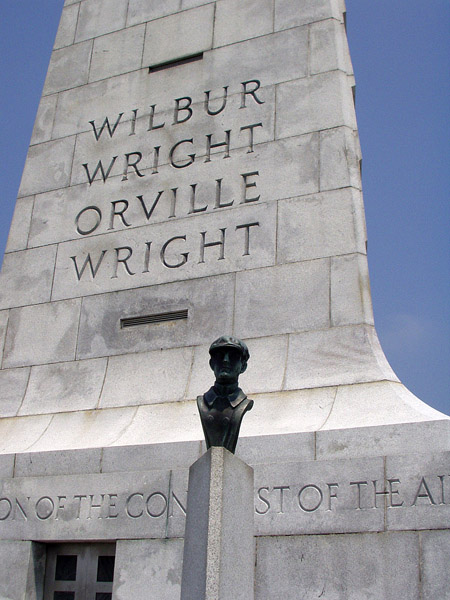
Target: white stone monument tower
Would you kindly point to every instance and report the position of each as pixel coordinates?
(194, 172)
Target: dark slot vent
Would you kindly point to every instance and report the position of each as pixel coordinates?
(176, 315)
(175, 63)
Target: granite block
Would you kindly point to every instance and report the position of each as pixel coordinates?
(48, 167)
(423, 498)
(235, 20)
(117, 53)
(27, 276)
(379, 566)
(435, 575)
(41, 334)
(100, 333)
(399, 438)
(7, 465)
(290, 412)
(260, 449)
(4, 316)
(13, 383)
(317, 496)
(268, 357)
(267, 306)
(83, 429)
(327, 45)
(69, 67)
(43, 124)
(148, 565)
(162, 424)
(18, 434)
(98, 17)
(316, 227)
(314, 103)
(377, 403)
(63, 387)
(146, 378)
(289, 13)
(21, 570)
(192, 3)
(336, 356)
(38, 464)
(175, 455)
(67, 26)
(20, 225)
(219, 556)
(69, 2)
(351, 303)
(339, 159)
(140, 11)
(177, 36)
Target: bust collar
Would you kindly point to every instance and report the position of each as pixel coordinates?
(235, 398)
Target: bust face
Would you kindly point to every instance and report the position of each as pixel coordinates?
(227, 364)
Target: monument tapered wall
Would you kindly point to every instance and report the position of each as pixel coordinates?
(193, 172)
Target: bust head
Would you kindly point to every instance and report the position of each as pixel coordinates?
(229, 358)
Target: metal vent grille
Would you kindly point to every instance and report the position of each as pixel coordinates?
(176, 63)
(175, 315)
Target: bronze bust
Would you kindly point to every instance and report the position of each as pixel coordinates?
(224, 405)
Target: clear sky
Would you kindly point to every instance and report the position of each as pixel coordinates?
(400, 52)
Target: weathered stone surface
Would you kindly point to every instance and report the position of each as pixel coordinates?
(435, 546)
(379, 566)
(328, 47)
(27, 277)
(260, 290)
(351, 303)
(180, 35)
(336, 356)
(7, 465)
(41, 334)
(387, 439)
(217, 69)
(117, 53)
(18, 435)
(140, 11)
(148, 565)
(311, 104)
(317, 496)
(235, 20)
(146, 378)
(292, 14)
(317, 226)
(415, 508)
(21, 570)
(48, 167)
(219, 555)
(38, 464)
(20, 226)
(43, 125)
(13, 383)
(100, 332)
(67, 26)
(69, 67)
(339, 159)
(98, 17)
(62, 387)
(157, 456)
(4, 316)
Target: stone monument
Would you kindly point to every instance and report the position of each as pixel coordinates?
(194, 171)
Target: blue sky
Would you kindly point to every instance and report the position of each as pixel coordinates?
(400, 52)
